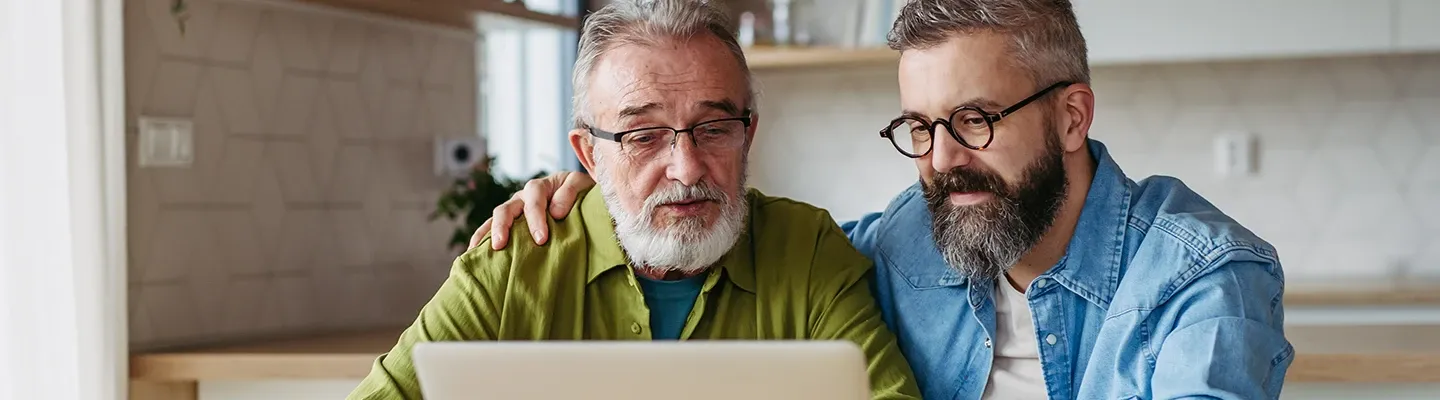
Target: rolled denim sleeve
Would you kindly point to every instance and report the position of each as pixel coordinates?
(1224, 337)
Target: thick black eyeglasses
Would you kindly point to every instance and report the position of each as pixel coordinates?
(972, 127)
(716, 134)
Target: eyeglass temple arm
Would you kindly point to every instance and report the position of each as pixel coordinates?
(1023, 103)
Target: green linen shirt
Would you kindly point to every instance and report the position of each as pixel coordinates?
(792, 275)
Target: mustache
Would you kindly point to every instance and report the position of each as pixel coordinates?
(959, 179)
(680, 193)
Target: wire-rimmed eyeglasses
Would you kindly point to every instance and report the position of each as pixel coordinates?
(711, 135)
(972, 127)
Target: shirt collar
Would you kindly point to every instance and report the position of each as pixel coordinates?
(606, 253)
(1091, 265)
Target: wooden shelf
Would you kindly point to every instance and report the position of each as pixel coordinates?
(451, 13)
(764, 57)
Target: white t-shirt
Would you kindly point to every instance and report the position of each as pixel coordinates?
(1015, 373)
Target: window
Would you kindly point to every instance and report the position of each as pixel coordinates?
(525, 94)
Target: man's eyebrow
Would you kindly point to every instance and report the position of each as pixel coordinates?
(725, 105)
(979, 102)
(642, 109)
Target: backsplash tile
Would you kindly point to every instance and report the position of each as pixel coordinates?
(1348, 185)
(306, 207)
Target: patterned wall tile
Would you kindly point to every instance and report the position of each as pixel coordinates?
(350, 110)
(169, 308)
(184, 239)
(351, 233)
(396, 51)
(237, 99)
(234, 37)
(232, 178)
(298, 312)
(173, 93)
(285, 216)
(444, 59)
(1398, 143)
(324, 140)
(1424, 188)
(296, 105)
(266, 75)
(297, 178)
(400, 116)
(299, 50)
(348, 40)
(353, 166)
(1362, 78)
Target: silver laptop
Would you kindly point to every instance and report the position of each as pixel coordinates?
(634, 370)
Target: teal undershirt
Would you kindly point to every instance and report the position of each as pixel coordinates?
(670, 303)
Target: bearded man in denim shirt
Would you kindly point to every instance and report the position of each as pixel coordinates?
(1024, 263)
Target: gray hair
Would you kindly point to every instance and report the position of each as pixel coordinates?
(1045, 38)
(648, 22)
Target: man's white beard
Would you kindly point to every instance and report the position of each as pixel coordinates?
(687, 246)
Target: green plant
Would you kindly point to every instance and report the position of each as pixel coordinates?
(469, 201)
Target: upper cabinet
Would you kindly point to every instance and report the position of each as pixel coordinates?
(1151, 31)
(1417, 25)
(1122, 31)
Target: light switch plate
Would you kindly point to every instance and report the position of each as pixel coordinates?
(1235, 154)
(166, 142)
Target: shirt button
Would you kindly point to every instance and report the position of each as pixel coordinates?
(635, 328)
(1040, 283)
(987, 343)
(1050, 339)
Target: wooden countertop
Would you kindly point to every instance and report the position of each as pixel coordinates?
(1323, 354)
(1322, 294)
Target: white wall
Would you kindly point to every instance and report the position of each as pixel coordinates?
(1348, 185)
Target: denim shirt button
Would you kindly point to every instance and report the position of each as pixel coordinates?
(1040, 283)
(1050, 339)
(987, 343)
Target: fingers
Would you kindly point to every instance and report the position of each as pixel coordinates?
(565, 195)
(479, 235)
(535, 197)
(500, 222)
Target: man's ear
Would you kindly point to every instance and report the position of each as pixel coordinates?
(580, 141)
(1077, 106)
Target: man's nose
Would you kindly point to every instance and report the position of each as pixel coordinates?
(948, 153)
(685, 161)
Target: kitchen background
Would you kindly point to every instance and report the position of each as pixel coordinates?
(306, 207)
(303, 208)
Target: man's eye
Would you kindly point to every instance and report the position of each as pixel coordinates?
(642, 138)
(714, 131)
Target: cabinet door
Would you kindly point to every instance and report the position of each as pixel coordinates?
(1148, 30)
(1417, 25)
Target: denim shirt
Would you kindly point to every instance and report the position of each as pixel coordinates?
(1159, 295)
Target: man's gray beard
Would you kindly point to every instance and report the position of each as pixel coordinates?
(687, 246)
(984, 241)
(980, 244)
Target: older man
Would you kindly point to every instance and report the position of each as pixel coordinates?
(673, 246)
(1024, 263)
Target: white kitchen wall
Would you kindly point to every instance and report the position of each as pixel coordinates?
(1348, 184)
(306, 208)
